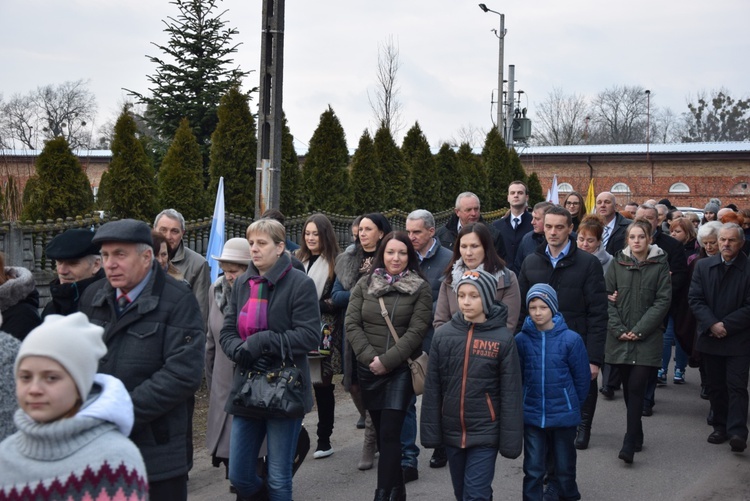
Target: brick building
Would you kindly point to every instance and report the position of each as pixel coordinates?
(686, 173)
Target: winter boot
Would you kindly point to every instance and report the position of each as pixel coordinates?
(587, 416)
(628, 449)
(357, 399)
(398, 494)
(370, 446)
(381, 495)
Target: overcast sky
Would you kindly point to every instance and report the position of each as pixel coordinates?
(449, 55)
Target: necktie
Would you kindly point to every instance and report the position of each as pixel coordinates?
(516, 222)
(605, 239)
(122, 302)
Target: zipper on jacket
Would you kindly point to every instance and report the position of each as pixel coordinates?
(461, 408)
(544, 373)
(567, 399)
(489, 404)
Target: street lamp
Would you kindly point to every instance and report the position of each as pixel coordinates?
(501, 37)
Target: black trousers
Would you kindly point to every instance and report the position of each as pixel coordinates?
(634, 380)
(388, 424)
(726, 378)
(171, 489)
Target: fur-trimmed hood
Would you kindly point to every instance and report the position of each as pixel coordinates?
(409, 284)
(347, 267)
(19, 286)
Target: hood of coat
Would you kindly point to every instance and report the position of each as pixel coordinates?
(603, 256)
(109, 401)
(347, 267)
(530, 329)
(409, 284)
(655, 254)
(18, 287)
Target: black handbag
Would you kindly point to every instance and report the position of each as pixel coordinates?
(275, 393)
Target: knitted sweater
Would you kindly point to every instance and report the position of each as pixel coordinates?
(85, 457)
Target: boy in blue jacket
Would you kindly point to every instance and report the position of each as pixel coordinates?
(556, 378)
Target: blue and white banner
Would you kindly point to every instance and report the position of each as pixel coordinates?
(216, 239)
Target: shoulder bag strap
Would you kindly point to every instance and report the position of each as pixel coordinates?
(384, 312)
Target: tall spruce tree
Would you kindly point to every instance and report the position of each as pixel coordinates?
(59, 188)
(517, 172)
(180, 183)
(396, 174)
(131, 172)
(450, 179)
(292, 200)
(325, 170)
(234, 153)
(367, 178)
(536, 194)
(195, 71)
(471, 171)
(497, 165)
(420, 162)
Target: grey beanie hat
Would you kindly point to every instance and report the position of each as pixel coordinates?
(712, 207)
(73, 342)
(485, 283)
(546, 293)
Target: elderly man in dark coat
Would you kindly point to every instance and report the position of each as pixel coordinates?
(78, 265)
(720, 299)
(155, 342)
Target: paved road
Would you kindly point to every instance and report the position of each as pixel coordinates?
(676, 463)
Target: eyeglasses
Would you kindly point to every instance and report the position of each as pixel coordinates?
(572, 203)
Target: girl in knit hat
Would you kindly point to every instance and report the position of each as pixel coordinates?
(472, 401)
(72, 423)
(556, 378)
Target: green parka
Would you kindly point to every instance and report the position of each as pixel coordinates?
(644, 293)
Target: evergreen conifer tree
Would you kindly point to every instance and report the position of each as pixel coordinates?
(517, 171)
(102, 201)
(472, 172)
(367, 178)
(497, 165)
(59, 188)
(420, 162)
(195, 71)
(131, 172)
(396, 174)
(291, 200)
(180, 183)
(536, 194)
(234, 154)
(450, 180)
(325, 170)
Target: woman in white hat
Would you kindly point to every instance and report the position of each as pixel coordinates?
(72, 423)
(234, 259)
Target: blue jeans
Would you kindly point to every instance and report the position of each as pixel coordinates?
(472, 471)
(409, 447)
(563, 454)
(680, 357)
(246, 440)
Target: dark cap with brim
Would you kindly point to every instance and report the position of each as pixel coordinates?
(72, 244)
(124, 230)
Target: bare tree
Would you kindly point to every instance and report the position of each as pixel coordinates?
(619, 115)
(469, 134)
(18, 122)
(666, 126)
(716, 116)
(65, 110)
(385, 104)
(561, 119)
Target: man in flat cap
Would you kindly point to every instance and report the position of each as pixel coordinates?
(155, 343)
(78, 265)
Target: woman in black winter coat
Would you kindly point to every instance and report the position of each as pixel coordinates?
(19, 300)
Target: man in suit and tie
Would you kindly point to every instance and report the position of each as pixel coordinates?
(613, 238)
(516, 222)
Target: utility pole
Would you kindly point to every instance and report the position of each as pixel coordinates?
(501, 36)
(511, 107)
(268, 168)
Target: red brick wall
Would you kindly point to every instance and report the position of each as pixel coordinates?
(706, 178)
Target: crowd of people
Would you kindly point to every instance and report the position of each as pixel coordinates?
(519, 318)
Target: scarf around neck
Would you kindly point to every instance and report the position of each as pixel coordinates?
(254, 314)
